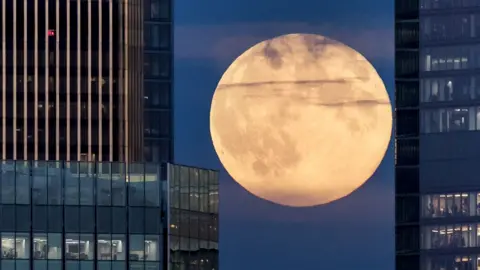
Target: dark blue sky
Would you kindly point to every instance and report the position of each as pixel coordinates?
(356, 232)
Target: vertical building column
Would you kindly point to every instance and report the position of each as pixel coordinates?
(89, 79)
(100, 81)
(79, 79)
(47, 84)
(35, 84)
(126, 75)
(4, 81)
(57, 78)
(15, 80)
(68, 114)
(110, 81)
(25, 81)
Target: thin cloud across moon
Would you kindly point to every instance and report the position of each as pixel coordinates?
(301, 120)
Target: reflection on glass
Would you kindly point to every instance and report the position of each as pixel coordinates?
(104, 188)
(39, 183)
(54, 246)
(22, 182)
(137, 246)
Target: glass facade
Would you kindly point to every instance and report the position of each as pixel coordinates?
(78, 215)
(158, 78)
(437, 101)
(194, 218)
(407, 100)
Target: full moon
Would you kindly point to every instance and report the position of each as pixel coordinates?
(301, 120)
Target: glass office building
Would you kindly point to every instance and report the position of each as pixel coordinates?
(437, 81)
(158, 80)
(107, 216)
(71, 80)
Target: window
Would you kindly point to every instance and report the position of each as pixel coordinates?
(406, 152)
(447, 27)
(157, 94)
(22, 218)
(54, 183)
(15, 246)
(8, 218)
(79, 247)
(118, 185)
(462, 88)
(407, 123)
(407, 209)
(446, 4)
(72, 219)
(118, 247)
(406, 34)
(40, 217)
(157, 124)
(152, 248)
(157, 65)
(152, 185)
(54, 243)
(87, 219)
(450, 119)
(118, 218)
(39, 183)
(407, 180)
(72, 185)
(40, 247)
(406, 64)
(137, 246)
(55, 218)
(8, 183)
(448, 58)
(460, 262)
(22, 181)
(449, 236)
(157, 9)
(157, 36)
(152, 220)
(136, 185)
(137, 219)
(104, 219)
(104, 188)
(406, 94)
(449, 205)
(86, 188)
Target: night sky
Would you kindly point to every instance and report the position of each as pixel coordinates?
(356, 232)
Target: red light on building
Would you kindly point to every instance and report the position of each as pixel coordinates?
(51, 33)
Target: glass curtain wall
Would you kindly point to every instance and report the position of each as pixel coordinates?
(193, 229)
(79, 215)
(158, 77)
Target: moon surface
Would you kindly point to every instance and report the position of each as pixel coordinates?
(301, 120)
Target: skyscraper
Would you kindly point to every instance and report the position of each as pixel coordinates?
(71, 80)
(58, 215)
(158, 80)
(437, 134)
